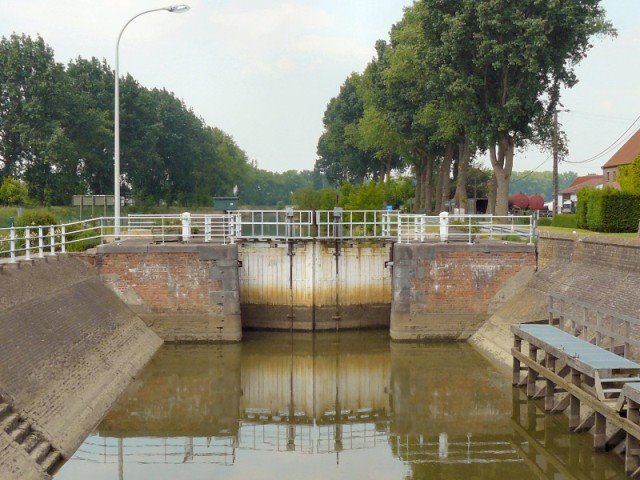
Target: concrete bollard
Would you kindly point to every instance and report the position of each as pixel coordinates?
(186, 226)
(444, 226)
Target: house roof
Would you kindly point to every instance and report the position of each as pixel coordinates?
(627, 153)
(582, 182)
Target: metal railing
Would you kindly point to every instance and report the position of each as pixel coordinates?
(469, 228)
(278, 225)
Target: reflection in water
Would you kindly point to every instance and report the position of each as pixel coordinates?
(338, 405)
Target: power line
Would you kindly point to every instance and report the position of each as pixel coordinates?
(610, 147)
(531, 172)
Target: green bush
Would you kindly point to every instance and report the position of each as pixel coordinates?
(565, 220)
(583, 206)
(72, 234)
(612, 211)
(36, 218)
(544, 222)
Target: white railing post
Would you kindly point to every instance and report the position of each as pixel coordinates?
(530, 230)
(470, 238)
(444, 226)
(63, 238)
(207, 228)
(52, 239)
(101, 230)
(239, 225)
(491, 227)
(40, 243)
(421, 227)
(186, 226)
(27, 243)
(12, 243)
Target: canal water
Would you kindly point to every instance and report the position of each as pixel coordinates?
(350, 405)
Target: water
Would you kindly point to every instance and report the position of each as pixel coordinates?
(330, 406)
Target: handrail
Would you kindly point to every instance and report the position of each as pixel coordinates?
(277, 225)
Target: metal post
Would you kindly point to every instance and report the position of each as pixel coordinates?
(470, 239)
(40, 243)
(27, 243)
(186, 226)
(63, 239)
(102, 228)
(12, 244)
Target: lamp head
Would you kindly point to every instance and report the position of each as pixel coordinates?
(178, 8)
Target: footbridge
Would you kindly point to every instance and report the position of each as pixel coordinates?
(206, 277)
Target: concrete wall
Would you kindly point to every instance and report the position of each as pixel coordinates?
(185, 293)
(443, 291)
(597, 271)
(308, 291)
(69, 348)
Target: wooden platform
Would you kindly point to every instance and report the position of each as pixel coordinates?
(600, 388)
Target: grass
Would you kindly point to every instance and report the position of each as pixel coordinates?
(586, 233)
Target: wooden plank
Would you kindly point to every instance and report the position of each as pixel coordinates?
(586, 423)
(592, 402)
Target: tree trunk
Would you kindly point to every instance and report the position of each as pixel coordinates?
(442, 190)
(491, 195)
(502, 163)
(463, 168)
(417, 202)
(428, 186)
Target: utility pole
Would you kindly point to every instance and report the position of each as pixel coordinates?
(555, 161)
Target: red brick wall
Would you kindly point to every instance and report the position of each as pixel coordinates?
(184, 292)
(442, 291)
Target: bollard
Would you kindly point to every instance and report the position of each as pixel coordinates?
(186, 226)
(444, 226)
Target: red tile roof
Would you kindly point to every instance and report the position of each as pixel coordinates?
(582, 182)
(627, 153)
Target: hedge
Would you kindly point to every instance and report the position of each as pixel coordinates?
(565, 220)
(610, 210)
(583, 206)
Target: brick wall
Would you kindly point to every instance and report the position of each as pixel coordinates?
(442, 291)
(183, 292)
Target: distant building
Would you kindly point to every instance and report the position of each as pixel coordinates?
(568, 198)
(626, 155)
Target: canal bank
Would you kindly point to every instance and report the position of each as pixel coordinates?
(69, 349)
(599, 273)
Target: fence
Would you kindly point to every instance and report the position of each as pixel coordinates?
(277, 225)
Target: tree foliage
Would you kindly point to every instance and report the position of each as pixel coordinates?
(630, 176)
(13, 192)
(463, 77)
(56, 134)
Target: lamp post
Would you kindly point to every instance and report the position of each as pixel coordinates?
(116, 119)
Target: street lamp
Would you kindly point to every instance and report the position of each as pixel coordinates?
(116, 128)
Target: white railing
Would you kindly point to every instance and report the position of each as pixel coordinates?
(469, 228)
(337, 224)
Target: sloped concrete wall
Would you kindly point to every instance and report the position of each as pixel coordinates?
(69, 348)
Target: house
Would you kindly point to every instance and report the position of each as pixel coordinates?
(568, 198)
(626, 155)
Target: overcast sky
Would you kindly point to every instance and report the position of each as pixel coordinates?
(264, 70)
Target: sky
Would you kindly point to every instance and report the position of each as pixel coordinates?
(264, 70)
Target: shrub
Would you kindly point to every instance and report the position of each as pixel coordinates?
(583, 206)
(13, 192)
(565, 220)
(36, 218)
(72, 234)
(544, 222)
(612, 210)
